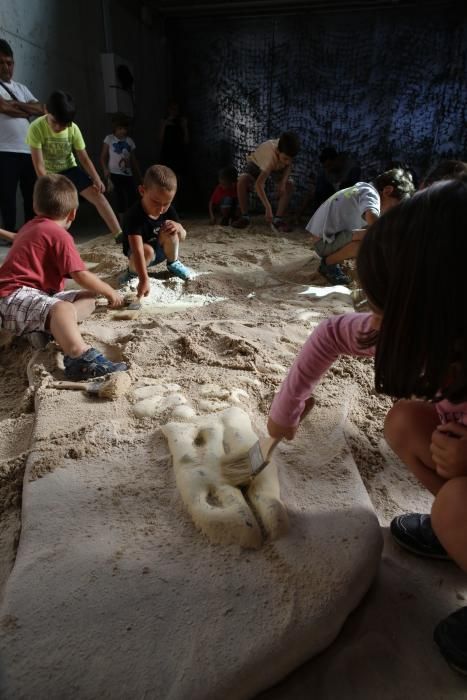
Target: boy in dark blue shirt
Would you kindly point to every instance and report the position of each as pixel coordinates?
(151, 229)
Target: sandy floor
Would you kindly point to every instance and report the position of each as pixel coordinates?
(245, 318)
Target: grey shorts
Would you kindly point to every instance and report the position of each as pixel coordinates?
(341, 239)
(27, 309)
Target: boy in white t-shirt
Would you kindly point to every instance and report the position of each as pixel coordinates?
(119, 164)
(338, 225)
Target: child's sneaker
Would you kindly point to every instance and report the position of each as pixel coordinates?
(451, 637)
(178, 269)
(225, 221)
(280, 226)
(126, 276)
(242, 222)
(413, 531)
(333, 273)
(118, 237)
(91, 364)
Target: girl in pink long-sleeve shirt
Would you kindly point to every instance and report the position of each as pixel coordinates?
(412, 267)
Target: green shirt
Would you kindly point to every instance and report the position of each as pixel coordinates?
(57, 149)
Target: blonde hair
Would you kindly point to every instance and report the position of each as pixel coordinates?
(160, 176)
(54, 196)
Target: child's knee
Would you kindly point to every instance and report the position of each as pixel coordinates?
(396, 424)
(448, 512)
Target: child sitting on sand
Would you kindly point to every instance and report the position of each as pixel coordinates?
(418, 335)
(151, 229)
(32, 300)
(336, 226)
(224, 197)
(271, 158)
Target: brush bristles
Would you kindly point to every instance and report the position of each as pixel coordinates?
(237, 470)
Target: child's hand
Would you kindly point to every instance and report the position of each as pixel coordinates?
(99, 185)
(115, 299)
(280, 431)
(449, 450)
(174, 228)
(143, 288)
(288, 432)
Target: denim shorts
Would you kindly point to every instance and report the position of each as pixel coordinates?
(159, 255)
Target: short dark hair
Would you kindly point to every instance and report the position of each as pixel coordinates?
(54, 196)
(119, 119)
(229, 174)
(289, 143)
(61, 106)
(445, 170)
(5, 48)
(160, 176)
(400, 180)
(411, 265)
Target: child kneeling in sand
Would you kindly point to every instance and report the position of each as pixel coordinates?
(336, 226)
(417, 332)
(32, 279)
(151, 229)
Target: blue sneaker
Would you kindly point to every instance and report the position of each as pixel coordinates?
(91, 364)
(178, 269)
(333, 273)
(126, 276)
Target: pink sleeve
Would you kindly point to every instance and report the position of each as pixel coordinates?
(335, 336)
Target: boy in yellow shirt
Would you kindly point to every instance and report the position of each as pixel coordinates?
(54, 140)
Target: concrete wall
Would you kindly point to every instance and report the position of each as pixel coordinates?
(57, 45)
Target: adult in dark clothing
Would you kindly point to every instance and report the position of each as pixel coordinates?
(17, 104)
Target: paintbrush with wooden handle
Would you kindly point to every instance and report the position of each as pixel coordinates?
(241, 469)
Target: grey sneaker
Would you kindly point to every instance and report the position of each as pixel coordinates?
(178, 269)
(91, 364)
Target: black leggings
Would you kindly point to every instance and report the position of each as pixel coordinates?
(15, 168)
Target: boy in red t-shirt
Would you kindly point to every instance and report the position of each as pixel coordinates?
(224, 197)
(32, 279)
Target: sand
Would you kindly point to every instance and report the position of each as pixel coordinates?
(236, 327)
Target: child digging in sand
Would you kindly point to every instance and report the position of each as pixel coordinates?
(336, 226)
(417, 332)
(152, 231)
(272, 158)
(32, 300)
